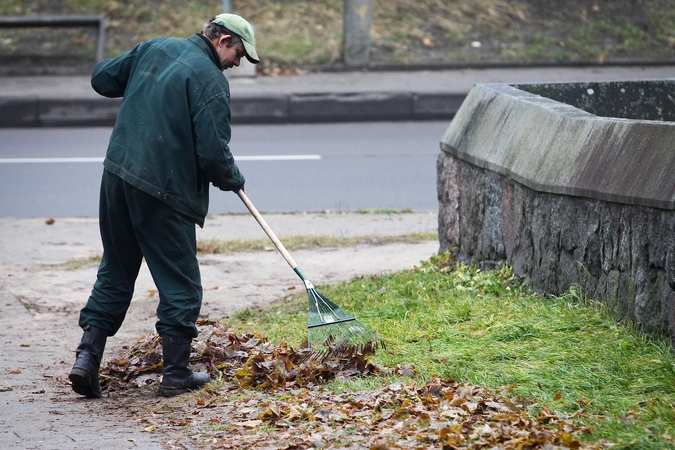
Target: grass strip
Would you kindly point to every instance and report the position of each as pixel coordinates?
(74, 264)
(211, 246)
(214, 246)
(485, 328)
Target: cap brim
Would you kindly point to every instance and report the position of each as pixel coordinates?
(251, 54)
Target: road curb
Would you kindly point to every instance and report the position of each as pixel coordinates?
(345, 107)
(54, 101)
(317, 107)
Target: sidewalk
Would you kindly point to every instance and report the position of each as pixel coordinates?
(46, 101)
(40, 300)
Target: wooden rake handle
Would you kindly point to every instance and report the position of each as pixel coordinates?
(266, 228)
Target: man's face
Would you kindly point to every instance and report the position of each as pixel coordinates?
(229, 56)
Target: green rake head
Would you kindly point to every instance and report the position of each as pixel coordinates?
(331, 330)
(334, 332)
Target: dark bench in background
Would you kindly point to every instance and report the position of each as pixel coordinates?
(61, 21)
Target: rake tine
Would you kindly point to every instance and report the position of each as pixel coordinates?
(310, 354)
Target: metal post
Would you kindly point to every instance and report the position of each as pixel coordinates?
(246, 69)
(356, 32)
(226, 9)
(100, 43)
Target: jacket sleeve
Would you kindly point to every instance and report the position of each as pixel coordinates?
(110, 77)
(212, 138)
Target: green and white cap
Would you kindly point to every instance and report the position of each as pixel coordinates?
(241, 27)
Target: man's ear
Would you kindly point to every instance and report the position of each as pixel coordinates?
(224, 39)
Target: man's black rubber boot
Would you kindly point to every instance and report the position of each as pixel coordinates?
(178, 377)
(84, 375)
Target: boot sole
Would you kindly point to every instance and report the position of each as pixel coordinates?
(195, 382)
(172, 392)
(81, 384)
(167, 392)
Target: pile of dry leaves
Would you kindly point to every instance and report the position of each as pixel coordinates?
(270, 396)
(249, 359)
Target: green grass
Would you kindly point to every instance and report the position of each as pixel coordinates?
(75, 264)
(307, 242)
(384, 211)
(303, 242)
(485, 328)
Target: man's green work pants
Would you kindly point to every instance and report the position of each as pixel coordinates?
(135, 225)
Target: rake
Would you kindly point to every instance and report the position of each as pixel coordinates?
(328, 325)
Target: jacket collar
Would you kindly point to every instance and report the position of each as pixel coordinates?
(202, 41)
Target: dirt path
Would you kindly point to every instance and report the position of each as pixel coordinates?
(40, 303)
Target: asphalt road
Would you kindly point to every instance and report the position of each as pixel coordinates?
(56, 172)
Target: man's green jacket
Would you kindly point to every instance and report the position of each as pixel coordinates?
(172, 133)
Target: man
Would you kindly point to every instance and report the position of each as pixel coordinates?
(169, 142)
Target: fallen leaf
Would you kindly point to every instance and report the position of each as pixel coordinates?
(395, 387)
(568, 441)
(486, 430)
(401, 414)
(250, 423)
(458, 401)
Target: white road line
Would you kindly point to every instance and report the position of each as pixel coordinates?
(278, 158)
(48, 160)
(99, 160)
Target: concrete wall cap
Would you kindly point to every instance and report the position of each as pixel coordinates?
(558, 148)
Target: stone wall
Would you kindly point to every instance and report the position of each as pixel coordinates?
(554, 225)
(621, 255)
